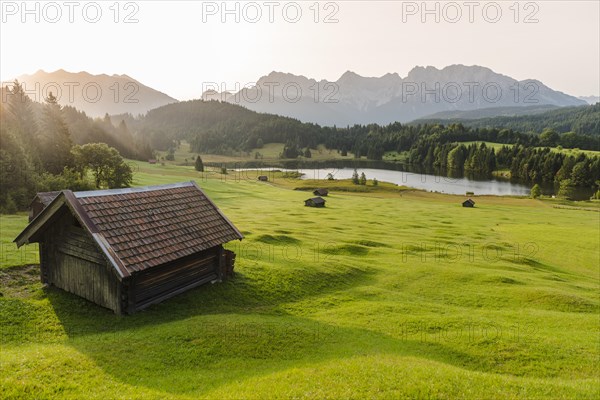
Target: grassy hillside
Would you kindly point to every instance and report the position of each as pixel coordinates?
(569, 152)
(379, 295)
(269, 152)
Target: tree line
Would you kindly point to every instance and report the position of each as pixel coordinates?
(42, 149)
(526, 164)
(580, 125)
(217, 127)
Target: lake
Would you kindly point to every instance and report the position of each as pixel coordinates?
(403, 175)
(428, 182)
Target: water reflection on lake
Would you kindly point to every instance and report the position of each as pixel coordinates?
(418, 180)
(431, 183)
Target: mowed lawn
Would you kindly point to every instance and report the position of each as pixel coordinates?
(378, 295)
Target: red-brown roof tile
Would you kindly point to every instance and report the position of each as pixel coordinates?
(146, 227)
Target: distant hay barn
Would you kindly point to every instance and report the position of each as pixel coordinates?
(321, 192)
(126, 249)
(315, 202)
(468, 203)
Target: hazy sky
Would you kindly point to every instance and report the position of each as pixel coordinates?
(175, 47)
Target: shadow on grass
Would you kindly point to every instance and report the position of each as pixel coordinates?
(228, 333)
(205, 353)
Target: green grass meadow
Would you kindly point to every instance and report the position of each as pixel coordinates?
(387, 293)
(269, 152)
(568, 152)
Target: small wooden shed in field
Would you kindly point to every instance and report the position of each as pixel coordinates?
(263, 178)
(315, 202)
(321, 192)
(468, 203)
(126, 249)
(39, 202)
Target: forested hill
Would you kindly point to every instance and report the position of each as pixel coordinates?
(584, 120)
(218, 127)
(212, 126)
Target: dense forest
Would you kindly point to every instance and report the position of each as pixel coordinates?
(46, 147)
(215, 127)
(583, 121)
(527, 164)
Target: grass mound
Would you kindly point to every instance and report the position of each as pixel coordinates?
(277, 239)
(346, 249)
(370, 243)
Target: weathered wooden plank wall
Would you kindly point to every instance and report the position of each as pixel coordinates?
(160, 282)
(74, 263)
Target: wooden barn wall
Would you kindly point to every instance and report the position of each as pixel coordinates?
(160, 283)
(73, 263)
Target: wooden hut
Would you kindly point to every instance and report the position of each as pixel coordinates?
(263, 178)
(315, 202)
(468, 203)
(321, 192)
(126, 249)
(40, 201)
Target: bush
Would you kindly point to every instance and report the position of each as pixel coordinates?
(535, 191)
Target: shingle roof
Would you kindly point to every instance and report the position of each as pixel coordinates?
(140, 228)
(317, 200)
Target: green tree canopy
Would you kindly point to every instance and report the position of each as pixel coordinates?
(105, 163)
(567, 189)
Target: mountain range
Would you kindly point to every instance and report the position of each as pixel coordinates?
(590, 99)
(354, 99)
(96, 95)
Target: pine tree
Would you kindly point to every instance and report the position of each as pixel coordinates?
(355, 179)
(199, 165)
(55, 138)
(170, 154)
(567, 189)
(363, 179)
